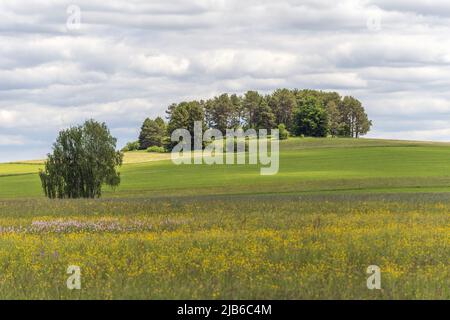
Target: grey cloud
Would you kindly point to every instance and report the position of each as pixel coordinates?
(434, 8)
(131, 59)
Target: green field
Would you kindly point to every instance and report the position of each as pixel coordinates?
(335, 207)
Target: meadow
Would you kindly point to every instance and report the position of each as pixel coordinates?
(212, 232)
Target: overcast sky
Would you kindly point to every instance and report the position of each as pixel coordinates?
(130, 59)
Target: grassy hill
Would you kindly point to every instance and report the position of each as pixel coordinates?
(186, 232)
(306, 165)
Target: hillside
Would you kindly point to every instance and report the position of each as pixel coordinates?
(336, 207)
(306, 165)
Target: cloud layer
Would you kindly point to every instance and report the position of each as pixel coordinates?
(131, 59)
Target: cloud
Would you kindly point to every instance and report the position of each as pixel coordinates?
(433, 8)
(232, 63)
(131, 59)
(7, 140)
(160, 65)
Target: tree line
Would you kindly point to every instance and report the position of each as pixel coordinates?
(295, 112)
(84, 157)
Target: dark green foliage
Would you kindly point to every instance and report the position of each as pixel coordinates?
(311, 118)
(183, 116)
(152, 133)
(257, 113)
(283, 104)
(302, 112)
(264, 117)
(334, 123)
(284, 134)
(131, 146)
(84, 158)
(354, 121)
(156, 149)
(223, 112)
(250, 104)
(238, 110)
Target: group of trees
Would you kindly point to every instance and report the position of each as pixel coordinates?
(301, 112)
(84, 157)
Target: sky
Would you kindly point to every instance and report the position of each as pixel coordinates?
(63, 62)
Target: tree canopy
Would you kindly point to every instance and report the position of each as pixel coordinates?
(299, 112)
(184, 116)
(84, 158)
(311, 118)
(152, 133)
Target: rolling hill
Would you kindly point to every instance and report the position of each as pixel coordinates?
(306, 166)
(336, 207)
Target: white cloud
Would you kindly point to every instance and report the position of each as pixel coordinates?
(160, 65)
(231, 63)
(131, 59)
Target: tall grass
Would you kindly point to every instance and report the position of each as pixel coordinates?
(336, 207)
(231, 247)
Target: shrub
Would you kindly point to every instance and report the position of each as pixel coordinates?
(131, 146)
(284, 134)
(156, 149)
